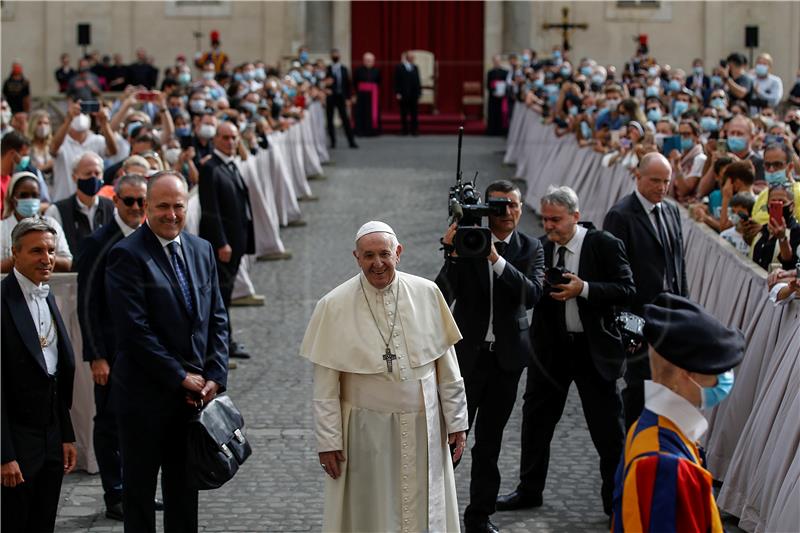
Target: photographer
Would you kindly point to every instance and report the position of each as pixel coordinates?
(587, 275)
(492, 297)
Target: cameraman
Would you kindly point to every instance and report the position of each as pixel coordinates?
(492, 297)
(587, 275)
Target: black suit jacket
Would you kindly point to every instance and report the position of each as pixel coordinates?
(346, 89)
(27, 389)
(94, 315)
(604, 266)
(158, 339)
(466, 281)
(705, 86)
(629, 222)
(224, 204)
(406, 83)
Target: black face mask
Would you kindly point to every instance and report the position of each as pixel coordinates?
(794, 126)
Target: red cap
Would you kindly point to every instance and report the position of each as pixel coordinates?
(180, 57)
(16, 68)
(643, 39)
(214, 36)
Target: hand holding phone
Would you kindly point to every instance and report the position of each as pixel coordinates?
(147, 96)
(776, 213)
(90, 106)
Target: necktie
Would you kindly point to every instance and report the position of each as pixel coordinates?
(182, 274)
(501, 246)
(562, 306)
(669, 266)
(562, 251)
(240, 183)
(40, 291)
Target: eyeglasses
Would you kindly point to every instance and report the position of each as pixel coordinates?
(130, 200)
(774, 165)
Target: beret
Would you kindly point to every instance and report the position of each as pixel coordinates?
(687, 336)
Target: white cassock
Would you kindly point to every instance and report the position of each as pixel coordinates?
(392, 426)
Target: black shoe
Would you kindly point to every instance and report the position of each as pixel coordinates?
(237, 351)
(114, 512)
(481, 527)
(353, 145)
(517, 500)
(159, 504)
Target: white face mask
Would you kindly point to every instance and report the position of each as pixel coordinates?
(207, 131)
(42, 131)
(6, 116)
(172, 155)
(81, 123)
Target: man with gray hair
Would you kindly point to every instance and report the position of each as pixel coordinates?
(38, 366)
(574, 340)
(84, 211)
(388, 393)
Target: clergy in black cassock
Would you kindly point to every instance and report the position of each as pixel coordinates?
(498, 103)
(367, 79)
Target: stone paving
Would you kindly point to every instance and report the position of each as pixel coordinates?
(403, 181)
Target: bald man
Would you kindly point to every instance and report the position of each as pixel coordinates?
(649, 224)
(226, 220)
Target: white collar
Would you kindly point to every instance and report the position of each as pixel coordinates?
(662, 401)
(123, 227)
(576, 241)
(227, 159)
(507, 240)
(647, 204)
(164, 242)
(25, 284)
(83, 207)
(370, 288)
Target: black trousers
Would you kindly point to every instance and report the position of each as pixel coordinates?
(408, 109)
(548, 383)
(106, 444)
(32, 506)
(150, 441)
(636, 372)
(491, 393)
(226, 272)
(337, 102)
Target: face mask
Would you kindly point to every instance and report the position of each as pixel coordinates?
(734, 218)
(652, 72)
(795, 127)
(716, 81)
(42, 131)
(6, 116)
(651, 90)
(737, 144)
(761, 70)
(709, 124)
(591, 109)
(132, 126)
(586, 71)
(674, 86)
(291, 92)
(249, 74)
(81, 123)
(23, 163)
(711, 396)
(612, 105)
(183, 131)
(624, 119)
(557, 54)
(698, 71)
(679, 108)
(90, 186)
(260, 74)
(172, 155)
(250, 107)
(238, 77)
(207, 131)
(303, 57)
(538, 83)
(197, 105)
(28, 207)
(526, 58)
(686, 144)
(654, 114)
(597, 79)
(659, 138)
(573, 111)
(718, 103)
(565, 72)
(586, 131)
(208, 75)
(184, 78)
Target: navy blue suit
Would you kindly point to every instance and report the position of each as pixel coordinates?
(158, 341)
(35, 412)
(97, 332)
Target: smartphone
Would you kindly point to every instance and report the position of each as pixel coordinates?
(773, 139)
(186, 141)
(147, 96)
(776, 212)
(614, 137)
(671, 143)
(625, 142)
(722, 146)
(90, 106)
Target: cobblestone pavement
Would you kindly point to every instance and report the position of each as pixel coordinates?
(404, 182)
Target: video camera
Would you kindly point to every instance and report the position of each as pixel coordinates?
(473, 240)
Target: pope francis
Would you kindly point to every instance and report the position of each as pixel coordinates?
(388, 396)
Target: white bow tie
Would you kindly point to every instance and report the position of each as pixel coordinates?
(41, 291)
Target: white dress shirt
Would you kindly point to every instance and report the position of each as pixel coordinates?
(42, 320)
(497, 268)
(88, 211)
(663, 402)
(9, 223)
(648, 208)
(572, 262)
(225, 158)
(164, 242)
(123, 227)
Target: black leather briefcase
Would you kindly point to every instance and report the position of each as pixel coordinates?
(216, 444)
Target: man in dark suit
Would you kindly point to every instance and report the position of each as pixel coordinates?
(649, 225)
(492, 297)
(574, 340)
(38, 366)
(497, 121)
(99, 343)
(407, 89)
(171, 332)
(698, 82)
(226, 220)
(339, 91)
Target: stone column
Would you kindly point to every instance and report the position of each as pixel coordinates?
(319, 25)
(516, 26)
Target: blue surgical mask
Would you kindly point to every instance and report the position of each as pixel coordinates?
(654, 114)
(538, 83)
(573, 110)
(762, 70)
(734, 218)
(776, 177)
(183, 131)
(591, 109)
(260, 73)
(557, 54)
(718, 103)
(651, 90)
(679, 108)
(698, 70)
(709, 124)
(237, 76)
(90, 186)
(184, 78)
(652, 72)
(586, 71)
(598, 79)
(711, 396)
(303, 57)
(674, 86)
(132, 126)
(586, 131)
(565, 72)
(526, 58)
(23, 163)
(737, 144)
(28, 207)
(716, 81)
(686, 144)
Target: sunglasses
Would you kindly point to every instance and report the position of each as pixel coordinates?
(130, 200)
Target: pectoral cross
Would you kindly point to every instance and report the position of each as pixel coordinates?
(389, 357)
(565, 27)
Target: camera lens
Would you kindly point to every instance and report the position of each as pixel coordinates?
(473, 242)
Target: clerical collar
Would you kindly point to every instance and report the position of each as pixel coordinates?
(123, 227)
(647, 204)
(225, 158)
(663, 402)
(369, 287)
(25, 283)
